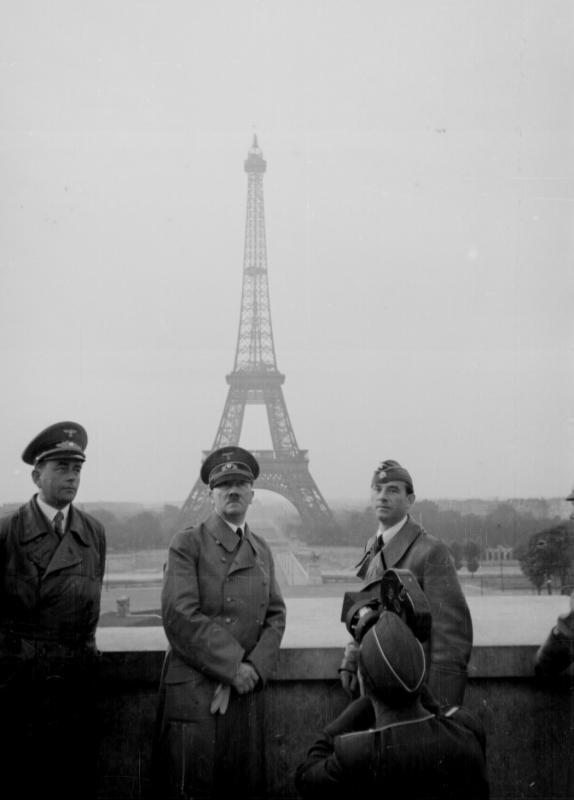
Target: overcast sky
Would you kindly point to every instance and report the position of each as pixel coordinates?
(419, 209)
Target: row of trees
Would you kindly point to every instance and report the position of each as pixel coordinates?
(543, 547)
(144, 530)
(549, 556)
(504, 525)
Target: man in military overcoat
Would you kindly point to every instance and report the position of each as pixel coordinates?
(224, 617)
(400, 543)
(52, 558)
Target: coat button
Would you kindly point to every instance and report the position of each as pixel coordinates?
(223, 559)
(229, 599)
(228, 620)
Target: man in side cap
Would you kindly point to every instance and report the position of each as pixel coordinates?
(224, 617)
(387, 743)
(52, 558)
(399, 543)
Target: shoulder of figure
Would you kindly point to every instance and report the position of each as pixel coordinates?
(19, 513)
(185, 537)
(437, 549)
(462, 716)
(354, 749)
(92, 523)
(6, 522)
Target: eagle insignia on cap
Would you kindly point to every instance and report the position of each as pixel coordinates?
(68, 445)
(382, 474)
(71, 432)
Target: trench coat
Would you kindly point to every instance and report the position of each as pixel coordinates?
(448, 649)
(49, 608)
(221, 605)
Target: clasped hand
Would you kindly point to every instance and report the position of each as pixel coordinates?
(246, 678)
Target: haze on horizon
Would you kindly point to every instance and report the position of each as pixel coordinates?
(419, 210)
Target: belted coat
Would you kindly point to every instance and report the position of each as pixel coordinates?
(448, 649)
(221, 605)
(49, 608)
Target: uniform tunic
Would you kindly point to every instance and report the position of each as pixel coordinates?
(436, 757)
(221, 605)
(49, 608)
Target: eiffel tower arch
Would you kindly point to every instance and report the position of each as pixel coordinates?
(256, 380)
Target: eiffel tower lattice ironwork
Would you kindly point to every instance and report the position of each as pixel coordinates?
(255, 380)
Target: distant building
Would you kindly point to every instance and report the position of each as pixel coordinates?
(499, 553)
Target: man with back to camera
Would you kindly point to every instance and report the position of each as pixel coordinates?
(224, 618)
(387, 743)
(52, 559)
(399, 543)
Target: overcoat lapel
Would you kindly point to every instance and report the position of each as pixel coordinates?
(52, 556)
(395, 550)
(247, 552)
(221, 532)
(372, 565)
(37, 536)
(67, 555)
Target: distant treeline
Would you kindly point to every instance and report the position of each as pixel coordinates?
(143, 530)
(503, 525)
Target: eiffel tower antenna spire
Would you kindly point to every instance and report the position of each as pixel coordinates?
(256, 380)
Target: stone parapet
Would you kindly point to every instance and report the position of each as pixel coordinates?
(529, 725)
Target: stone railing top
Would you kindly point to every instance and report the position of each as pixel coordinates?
(507, 631)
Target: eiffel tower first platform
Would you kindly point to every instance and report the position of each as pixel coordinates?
(255, 380)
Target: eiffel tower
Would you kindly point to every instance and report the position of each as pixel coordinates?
(255, 380)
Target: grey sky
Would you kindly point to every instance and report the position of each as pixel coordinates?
(419, 208)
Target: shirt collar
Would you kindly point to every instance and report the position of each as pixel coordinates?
(50, 512)
(233, 527)
(388, 533)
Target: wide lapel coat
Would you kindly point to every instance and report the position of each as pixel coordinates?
(448, 650)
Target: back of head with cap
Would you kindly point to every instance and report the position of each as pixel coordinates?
(392, 661)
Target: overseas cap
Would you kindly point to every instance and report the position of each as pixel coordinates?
(62, 440)
(390, 470)
(229, 463)
(392, 660)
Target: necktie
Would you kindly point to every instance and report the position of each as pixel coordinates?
(378, 545)
(59, 524)
(239, 532)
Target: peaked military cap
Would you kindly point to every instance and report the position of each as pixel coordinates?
(391, 470)
(392, 660)
(571, 495)
(227, 463)
(61, 440)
